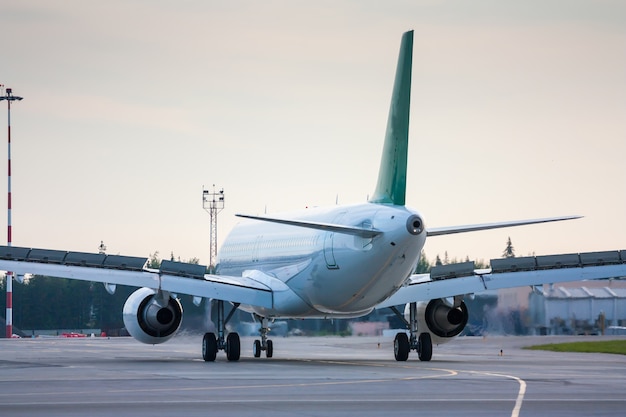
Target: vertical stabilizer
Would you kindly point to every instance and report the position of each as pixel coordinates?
(391, 186)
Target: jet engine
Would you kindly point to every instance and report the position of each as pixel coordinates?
(444, 318)
(151, 316)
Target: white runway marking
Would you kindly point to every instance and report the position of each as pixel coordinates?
(520, 394)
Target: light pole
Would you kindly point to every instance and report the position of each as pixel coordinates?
(213, 202)
(9, 97)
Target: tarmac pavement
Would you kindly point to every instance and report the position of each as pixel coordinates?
(327, 376)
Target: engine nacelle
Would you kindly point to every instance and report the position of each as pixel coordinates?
(440, 318)
(152, 317)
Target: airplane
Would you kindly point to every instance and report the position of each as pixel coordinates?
(341, 261)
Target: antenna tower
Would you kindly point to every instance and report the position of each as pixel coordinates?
(213, 203)
(9, 97)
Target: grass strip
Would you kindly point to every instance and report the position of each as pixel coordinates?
(608, 346)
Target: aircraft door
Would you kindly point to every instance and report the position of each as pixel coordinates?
(329, 238)
(329, 255)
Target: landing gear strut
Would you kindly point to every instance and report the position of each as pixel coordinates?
(264, 344)
(403, 343)
(231, 344)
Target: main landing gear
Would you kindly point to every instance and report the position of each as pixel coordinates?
(230, 344)
(404, 343)
(264, 344)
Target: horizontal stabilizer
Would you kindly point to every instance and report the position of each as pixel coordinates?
(338, 228)
(437, 231)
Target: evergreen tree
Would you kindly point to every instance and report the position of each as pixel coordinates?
(154, 261)
(423, 266)
(509, 251)
(481, 264)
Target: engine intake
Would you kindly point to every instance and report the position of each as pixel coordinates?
(152, 317)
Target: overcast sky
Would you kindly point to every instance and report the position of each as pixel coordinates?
(131, 107)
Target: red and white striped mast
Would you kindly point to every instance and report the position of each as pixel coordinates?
(9, 97)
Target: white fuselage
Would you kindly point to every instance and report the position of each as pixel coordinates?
(318, 273)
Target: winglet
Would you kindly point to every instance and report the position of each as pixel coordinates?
(391, 186)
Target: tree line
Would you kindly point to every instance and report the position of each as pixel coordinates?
(424, 265)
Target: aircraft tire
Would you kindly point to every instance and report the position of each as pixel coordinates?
(233, 347)
(269, 352)
(209, 347)
(401, 347)
(256, 348)
(425, 347)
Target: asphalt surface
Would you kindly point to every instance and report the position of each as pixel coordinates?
(307, 377)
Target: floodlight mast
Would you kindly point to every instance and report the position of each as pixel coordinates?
(9, 97)
(213, 203)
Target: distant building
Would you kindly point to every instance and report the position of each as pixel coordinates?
(566, 308)
(581, 310)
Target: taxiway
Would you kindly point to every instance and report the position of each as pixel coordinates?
(308, 376)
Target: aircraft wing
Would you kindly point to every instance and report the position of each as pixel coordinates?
(461, 279)
(175, 277)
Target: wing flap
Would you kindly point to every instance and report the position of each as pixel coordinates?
(235, 289)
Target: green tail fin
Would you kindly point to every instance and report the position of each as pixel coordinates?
(391, 186)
